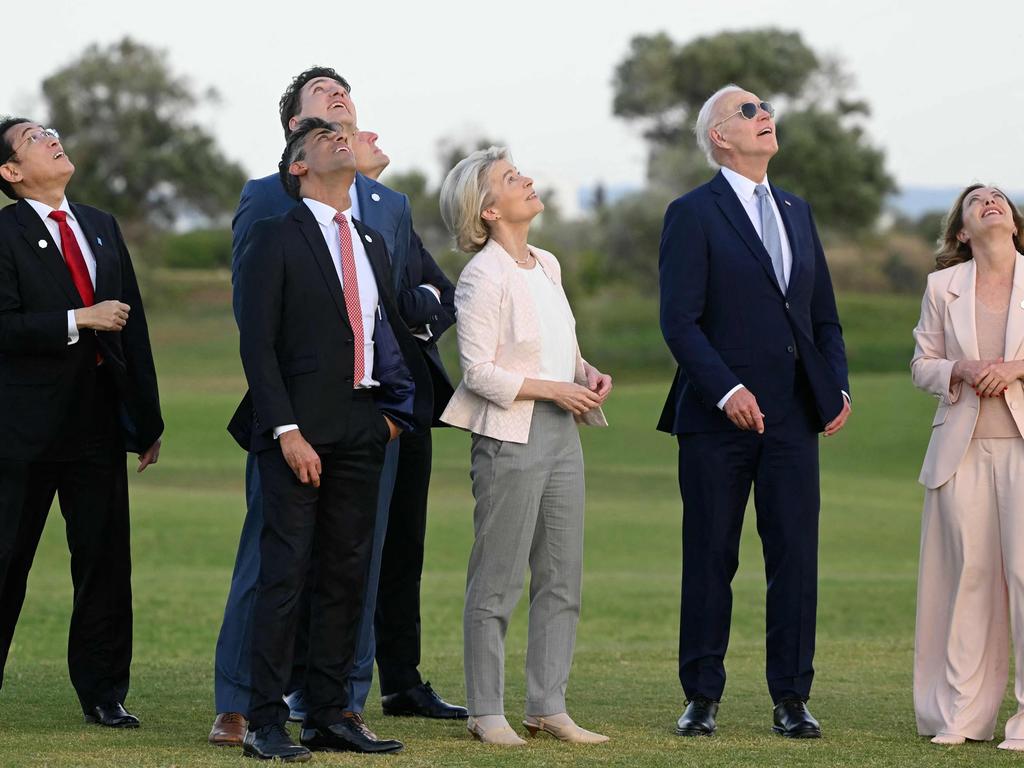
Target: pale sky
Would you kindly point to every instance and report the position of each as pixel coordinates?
(945, 80)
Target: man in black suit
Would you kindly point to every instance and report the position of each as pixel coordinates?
(426, 301)
(77, 390)
(331, 370)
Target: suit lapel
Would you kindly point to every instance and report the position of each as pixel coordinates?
(961, 310)
(373, 211)
(1015, 314)
(322, 256)
(100, 248)
(732, 208)
(375, 251)
(38, 238)
(796, 252)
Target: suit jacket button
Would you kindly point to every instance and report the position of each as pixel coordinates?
(790, 349)
(787, 305)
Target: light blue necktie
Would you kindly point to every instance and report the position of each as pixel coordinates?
(770, 233)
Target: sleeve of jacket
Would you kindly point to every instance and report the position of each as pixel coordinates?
(683, 268)
(828, 333)
(26, 333)
(253, 205)
(929, 368)
(478, 302)
(261, 275)
(418, 306)
(138, 353)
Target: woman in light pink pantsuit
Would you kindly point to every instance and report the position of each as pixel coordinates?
(970, 595)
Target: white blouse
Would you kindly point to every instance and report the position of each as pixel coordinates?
(558, 339)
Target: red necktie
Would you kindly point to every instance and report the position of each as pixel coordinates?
(350, 288)
(74, 259)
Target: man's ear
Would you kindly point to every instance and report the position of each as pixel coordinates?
(293, 122)
(718, 139)
(298, 168)
(10, 173)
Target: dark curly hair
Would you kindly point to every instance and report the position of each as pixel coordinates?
(289, 105)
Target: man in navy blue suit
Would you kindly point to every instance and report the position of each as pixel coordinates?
(748, 312)
(316, 92)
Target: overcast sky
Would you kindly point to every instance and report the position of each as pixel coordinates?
(946, 87)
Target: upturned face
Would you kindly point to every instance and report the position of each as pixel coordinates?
(369, 157)
(39, 159)
(326, 152)
(986, 211)
(327, 99)
(733, 132)
(512, 197)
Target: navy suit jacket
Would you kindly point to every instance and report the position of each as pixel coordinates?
(297, 343)
(726, 320)
(388, 212)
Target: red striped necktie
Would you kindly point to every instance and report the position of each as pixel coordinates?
(350, 288)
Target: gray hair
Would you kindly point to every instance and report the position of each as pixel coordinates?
(702, 128)
(464, 195)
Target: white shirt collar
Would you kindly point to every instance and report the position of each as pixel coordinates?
(323, 213)
(741, 185)
(44, 210)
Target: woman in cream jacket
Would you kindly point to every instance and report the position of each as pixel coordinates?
(971, 581)
(524, 386)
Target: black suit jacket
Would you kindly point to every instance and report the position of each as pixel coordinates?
(420, 309)
(297, 345)
(43, 379)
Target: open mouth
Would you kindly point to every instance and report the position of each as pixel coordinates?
(338, 105)
(58, 155)
(765, 132)
(342, 148)
(992, 212)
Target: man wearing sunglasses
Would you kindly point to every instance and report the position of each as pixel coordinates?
(77, 390)
(748, 311)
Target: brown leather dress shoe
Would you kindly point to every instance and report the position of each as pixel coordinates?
(228, 730)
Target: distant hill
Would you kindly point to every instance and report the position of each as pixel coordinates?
(914, 201)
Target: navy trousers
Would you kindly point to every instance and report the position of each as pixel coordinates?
(716, 472)
(233, 662)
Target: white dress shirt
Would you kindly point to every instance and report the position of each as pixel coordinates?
(368, 296)
(53, 228)
(557, 334)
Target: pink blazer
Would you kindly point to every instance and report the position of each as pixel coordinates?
(500, 345)
(946, 333)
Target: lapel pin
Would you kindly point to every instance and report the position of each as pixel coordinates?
(368, 238)
(788, 203)
(375, 197)
(42, 243)
(99, 240)
(1022, 305)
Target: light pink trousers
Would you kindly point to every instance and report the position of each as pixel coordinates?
(970, 595)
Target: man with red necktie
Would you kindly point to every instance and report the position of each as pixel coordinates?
(78, 389)
(332, 372)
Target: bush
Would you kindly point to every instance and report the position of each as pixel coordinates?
(198, 249)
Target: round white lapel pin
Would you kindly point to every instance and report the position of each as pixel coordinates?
(1022, 305)
(375, 197)
(368, 238)
(42, 243)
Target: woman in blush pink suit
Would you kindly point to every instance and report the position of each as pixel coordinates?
(970, 355)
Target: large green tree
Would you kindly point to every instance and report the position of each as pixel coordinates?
(127, 122)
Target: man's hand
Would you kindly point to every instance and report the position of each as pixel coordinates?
(996, 377)
(151, 456)
(837, 423)
(743, 411)
(301, 457)
(598, 383)
(393, 428)
(573, 397)
(109, 315)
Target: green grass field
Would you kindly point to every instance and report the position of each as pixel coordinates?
(187, 512)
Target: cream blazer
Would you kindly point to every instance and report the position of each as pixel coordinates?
(946, 333)
(500, 345)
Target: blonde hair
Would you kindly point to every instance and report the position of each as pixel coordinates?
(465, 193)
(950, 250)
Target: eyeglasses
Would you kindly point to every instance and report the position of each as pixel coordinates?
(749, 111)
(37, 135)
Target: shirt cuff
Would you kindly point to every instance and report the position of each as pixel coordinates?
(434, 292)
(278, 431)
(424, 335)
(846, 395)
(72, 328)
(730, 393)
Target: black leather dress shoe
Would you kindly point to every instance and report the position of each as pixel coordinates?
(421, 701)
(112, 715)
(272, 742)
(698, 719)
(794, 720)
(350, 735)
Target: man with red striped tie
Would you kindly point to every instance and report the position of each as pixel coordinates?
(77, 390)
(332, 372)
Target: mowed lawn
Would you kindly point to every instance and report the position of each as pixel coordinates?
(187, 511)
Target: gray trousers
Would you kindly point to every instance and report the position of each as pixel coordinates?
(529, 511)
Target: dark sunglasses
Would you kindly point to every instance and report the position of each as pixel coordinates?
(749, 111)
